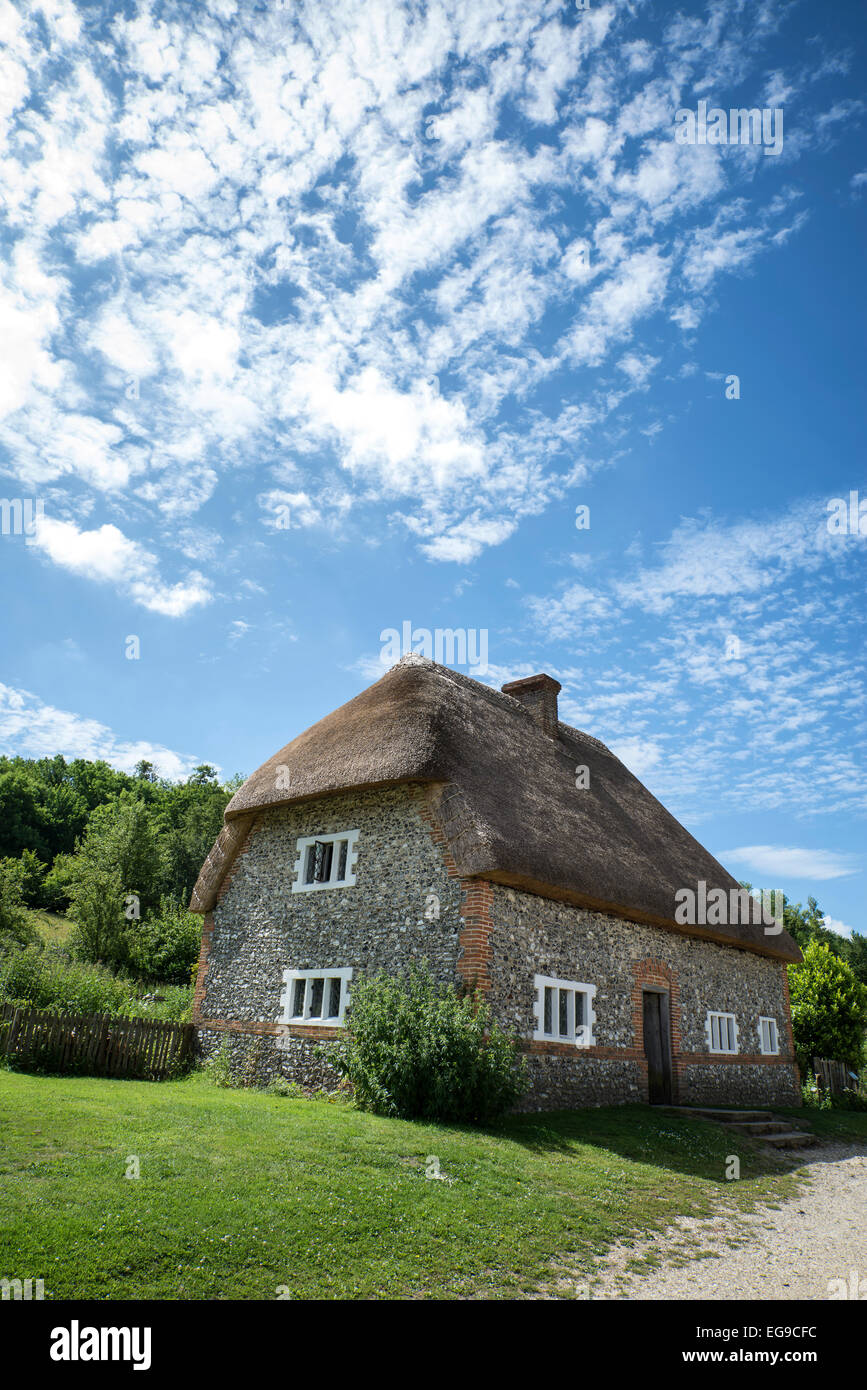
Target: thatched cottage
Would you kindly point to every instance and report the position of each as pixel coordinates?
(434, 818)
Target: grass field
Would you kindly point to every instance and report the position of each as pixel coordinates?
(832, 1125)
(54, 929)
(241, 1192)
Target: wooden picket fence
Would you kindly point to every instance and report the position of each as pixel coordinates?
(834, 1076)
(98, 1044)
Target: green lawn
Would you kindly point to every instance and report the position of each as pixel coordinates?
(53, 927)
(241, 1192)
(845, 1126)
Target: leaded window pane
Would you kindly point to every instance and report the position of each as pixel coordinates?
(324, 853)
(564, 1012)
(317, 988)
(298, 1004)
(334, 998)
(310, 874)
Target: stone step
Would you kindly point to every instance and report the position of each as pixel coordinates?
(725, 1117)
(759, 1124)
(760, 1128)
(790, 1139)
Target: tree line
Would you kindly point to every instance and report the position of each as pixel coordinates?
(807, 925)
(119, 853)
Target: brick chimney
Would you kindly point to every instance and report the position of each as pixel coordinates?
(538, 694)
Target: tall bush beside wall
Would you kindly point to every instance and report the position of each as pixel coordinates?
(829, 1008)
(418, 1050)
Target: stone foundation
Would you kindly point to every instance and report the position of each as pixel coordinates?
(569, 1083)
(756, 1083)
(260, 1058)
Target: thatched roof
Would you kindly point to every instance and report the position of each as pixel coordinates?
(506, 796)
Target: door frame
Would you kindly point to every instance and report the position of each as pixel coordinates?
(665, 1028)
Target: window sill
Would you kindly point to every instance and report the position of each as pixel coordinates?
(321, 887)
(322, 1031)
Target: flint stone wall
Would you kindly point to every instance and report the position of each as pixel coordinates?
(262, 928)
(536, 936)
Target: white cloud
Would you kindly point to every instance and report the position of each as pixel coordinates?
(577, 611)
(32, 729)
(468, 539)
(638, 367)
(639, 755)
(370, 668)
(704, 557)
(118, 340)
(632, 291)
(841, 928)
(763, 720)
(279, 250)
(780, 863)
(108, 556)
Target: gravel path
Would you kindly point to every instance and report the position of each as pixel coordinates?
(792, 1252)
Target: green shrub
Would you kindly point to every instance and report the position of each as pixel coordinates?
(32, 876)
(849, 1100)
(341, 1095)
(166, 944)
(813, 1096)
(241, 1071)
(15, 925)
(279, 1086)
(418, 1050)
(829, 1008)
(49, 979)
(218, 1067)
(817, 1098)
(171, 1003)
(54, 889)
(97, 901)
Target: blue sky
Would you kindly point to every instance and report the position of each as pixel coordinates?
(322, 318)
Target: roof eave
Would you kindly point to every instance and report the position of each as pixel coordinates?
(233, 812)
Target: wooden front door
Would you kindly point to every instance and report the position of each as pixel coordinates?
(657, 1047)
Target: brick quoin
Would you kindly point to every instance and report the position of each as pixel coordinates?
(790, 1037)
(475, 935)
(477, 900)
(204, 952)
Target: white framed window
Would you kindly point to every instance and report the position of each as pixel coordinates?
(564, 1011)
(769, 1041)
(722, 1032)
(325, 861)
(316, 996)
